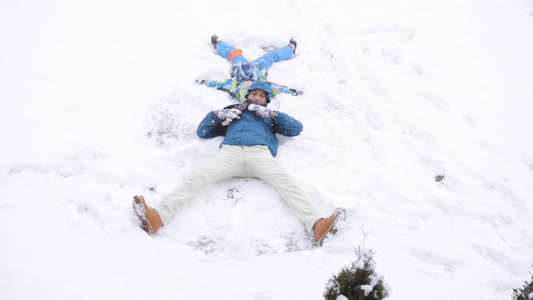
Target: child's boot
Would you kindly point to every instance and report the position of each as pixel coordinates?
(293, 44)
(214, 40)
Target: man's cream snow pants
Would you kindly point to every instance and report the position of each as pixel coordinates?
(242, 161)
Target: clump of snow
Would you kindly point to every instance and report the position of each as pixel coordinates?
(374, 279)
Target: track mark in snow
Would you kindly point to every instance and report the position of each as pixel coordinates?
(435, 263)
(84, 215)
(172, 121)
(205, 244)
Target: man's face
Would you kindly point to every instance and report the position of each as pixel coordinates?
(258, 96)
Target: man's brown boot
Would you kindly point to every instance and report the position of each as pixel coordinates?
(328, 225)
(149, 217)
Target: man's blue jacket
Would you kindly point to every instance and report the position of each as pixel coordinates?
(251, 129)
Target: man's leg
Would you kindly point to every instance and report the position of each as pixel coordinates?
(263, 165)
(273, 56)
(226, 164)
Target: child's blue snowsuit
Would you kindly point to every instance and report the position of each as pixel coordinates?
(257, 69)
(243, 72)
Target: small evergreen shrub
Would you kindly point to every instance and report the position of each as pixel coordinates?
(526, 292)
(359, 281)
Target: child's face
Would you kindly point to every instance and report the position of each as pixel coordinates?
(258, 96)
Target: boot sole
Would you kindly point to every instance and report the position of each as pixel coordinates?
(140, 211)
(338, 215)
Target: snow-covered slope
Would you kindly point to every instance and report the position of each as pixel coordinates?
(97, 104)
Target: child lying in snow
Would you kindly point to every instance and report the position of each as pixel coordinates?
(249, 130)
(243, 72)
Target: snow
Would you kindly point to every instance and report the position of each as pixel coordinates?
(98, 104)
(374, 280)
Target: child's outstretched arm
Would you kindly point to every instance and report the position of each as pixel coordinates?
(225, 85)
(278, 89)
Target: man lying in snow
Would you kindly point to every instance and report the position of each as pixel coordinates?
(249, 132)
(243, 72)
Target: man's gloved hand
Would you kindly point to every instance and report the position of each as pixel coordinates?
(261, 110)
(227, 115)
(199, 81)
